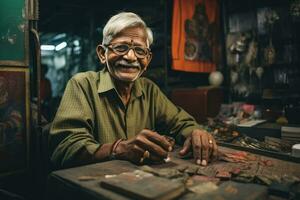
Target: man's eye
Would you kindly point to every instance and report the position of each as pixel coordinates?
(140, 51)
(121, 48)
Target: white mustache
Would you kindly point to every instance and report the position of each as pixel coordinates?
(127, 64)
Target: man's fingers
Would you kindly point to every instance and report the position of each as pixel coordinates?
(205, 149)
(197, 145)
(203, 146)
(136, 154)
(158, 139)
(170, 140)
(152, 147)
(186, 147)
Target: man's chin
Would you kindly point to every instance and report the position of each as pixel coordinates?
(126, 77)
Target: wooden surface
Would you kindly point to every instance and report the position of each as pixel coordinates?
(143, 186)
(84, 182)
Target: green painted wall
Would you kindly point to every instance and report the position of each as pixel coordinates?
(12, 30)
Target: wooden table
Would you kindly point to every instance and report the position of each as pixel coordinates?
(84, 182)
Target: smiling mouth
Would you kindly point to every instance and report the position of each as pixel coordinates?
(128, 68)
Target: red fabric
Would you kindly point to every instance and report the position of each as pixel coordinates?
(184, 10)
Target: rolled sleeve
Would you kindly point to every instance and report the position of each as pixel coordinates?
(72, 128)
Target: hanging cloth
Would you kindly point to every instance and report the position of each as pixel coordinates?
(195, 35)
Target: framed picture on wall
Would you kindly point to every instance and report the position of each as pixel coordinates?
(14, 120)
(13, 33)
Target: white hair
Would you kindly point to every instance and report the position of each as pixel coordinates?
(121, 21)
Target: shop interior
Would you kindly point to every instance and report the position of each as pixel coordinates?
(233, 65)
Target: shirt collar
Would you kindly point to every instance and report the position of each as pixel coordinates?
(106, 84)
(137, 88)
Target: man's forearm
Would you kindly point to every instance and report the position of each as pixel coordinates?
(84, 157)
(103, 153)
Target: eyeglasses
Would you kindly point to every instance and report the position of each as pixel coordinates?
(122, 49)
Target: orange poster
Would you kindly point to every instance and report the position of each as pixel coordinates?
(195, 35)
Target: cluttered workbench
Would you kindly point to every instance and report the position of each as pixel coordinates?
(235, 175)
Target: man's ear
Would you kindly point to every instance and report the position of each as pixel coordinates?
(149, 58)
(101, 53)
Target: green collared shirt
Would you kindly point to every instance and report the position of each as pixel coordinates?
(92, 113)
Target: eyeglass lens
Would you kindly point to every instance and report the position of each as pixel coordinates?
(123, 49)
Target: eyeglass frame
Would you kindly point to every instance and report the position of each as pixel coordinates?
(131, 46)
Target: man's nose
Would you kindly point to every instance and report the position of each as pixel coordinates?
(130, 55)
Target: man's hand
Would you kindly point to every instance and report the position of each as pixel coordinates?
(203, 146)
(146, 145)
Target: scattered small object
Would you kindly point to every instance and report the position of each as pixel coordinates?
(223, 175)
(244, 177)
(262, 179)
(110, 175)
(168, 159)
(296, 150)
(233, 191)
(235, 171)
(267, 163)
(137, 186)
(191, 170)
(203, 188)
(165, 172)
(206, 171)
(88, 178)
(199, 178)
(182, 168)
(236, 157)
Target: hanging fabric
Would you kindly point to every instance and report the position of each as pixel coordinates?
(195, 35)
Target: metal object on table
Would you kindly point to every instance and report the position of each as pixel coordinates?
(278, 155)
(296, 150)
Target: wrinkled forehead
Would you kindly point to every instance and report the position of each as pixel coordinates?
(132, 34)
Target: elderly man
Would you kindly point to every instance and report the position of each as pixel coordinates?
(114, 114)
